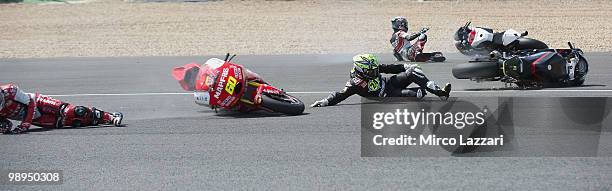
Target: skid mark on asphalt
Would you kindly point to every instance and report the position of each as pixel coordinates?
(327, 92)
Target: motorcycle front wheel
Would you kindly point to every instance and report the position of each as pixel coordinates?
(286, 104)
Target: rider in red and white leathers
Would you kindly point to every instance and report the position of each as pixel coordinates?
(46, 112)
(403, 50)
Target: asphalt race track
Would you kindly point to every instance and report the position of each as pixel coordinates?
(171, 143)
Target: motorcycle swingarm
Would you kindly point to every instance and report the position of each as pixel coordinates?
(258, 89)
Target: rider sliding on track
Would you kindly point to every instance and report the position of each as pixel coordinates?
(366, 81)
(403, 50)
(46, 112)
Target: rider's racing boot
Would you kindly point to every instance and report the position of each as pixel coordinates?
(102, 117)
(117, 118)
(446, 92)
(442, 93)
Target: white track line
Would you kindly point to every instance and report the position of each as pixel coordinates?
(158, 93)
(323, 92)
(527, 91)
(126, 94)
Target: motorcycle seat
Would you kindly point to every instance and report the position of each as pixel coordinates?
(498, 38)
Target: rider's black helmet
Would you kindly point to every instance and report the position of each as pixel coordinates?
(399, 23)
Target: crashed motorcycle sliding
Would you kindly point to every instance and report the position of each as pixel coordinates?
(530, 68)
(479, 42)
(222, 84)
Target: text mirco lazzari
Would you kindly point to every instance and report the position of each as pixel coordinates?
(410, 119)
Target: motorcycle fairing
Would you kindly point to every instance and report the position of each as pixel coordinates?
(227, 86)
(479, 36)
(550, 67)
(268, 89)
(202, 98)
(542, 66)
(186, 75)
(510, 36)
(516, 68)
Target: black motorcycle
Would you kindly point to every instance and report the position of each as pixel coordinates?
(530, 68)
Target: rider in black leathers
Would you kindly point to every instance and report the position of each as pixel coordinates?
(366, 81)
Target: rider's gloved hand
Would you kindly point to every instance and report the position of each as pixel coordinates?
(320, 103)
(5, 126)
(424, 30)
(21, 128)
(411, 67)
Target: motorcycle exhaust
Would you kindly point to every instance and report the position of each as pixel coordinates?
(495, 54)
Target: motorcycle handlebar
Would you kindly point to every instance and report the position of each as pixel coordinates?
(228, 58)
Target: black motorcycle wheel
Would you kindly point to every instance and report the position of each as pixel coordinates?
(581, 70)
(286, 104)
(476, 70)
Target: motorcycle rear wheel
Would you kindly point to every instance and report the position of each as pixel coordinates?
(476, 70)
(286, 104)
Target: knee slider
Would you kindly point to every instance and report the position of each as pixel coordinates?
(80, 112)
(97, 115)
(80, 115)
(432, 85)
(75, 116)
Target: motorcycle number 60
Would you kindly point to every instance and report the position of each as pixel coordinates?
(231, 84)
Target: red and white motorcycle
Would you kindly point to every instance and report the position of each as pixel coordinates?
(479, 41)
(222, 84)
